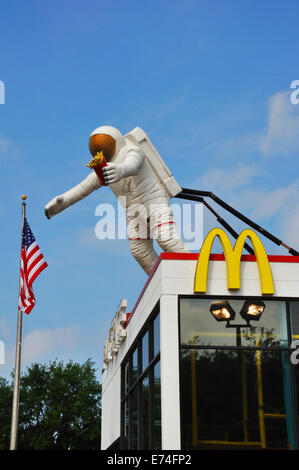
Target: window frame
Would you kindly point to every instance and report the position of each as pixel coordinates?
(148, 371)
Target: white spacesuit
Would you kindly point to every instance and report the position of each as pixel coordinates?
(143, 196)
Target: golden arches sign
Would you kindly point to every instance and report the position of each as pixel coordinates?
(232, 257)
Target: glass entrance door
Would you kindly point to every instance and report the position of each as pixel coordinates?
(235, 397)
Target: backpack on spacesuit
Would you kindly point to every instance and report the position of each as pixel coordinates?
(155, 161)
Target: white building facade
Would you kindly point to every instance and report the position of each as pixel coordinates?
(175, 377)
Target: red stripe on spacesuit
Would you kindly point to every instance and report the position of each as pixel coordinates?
(140, 238)
(159, 225)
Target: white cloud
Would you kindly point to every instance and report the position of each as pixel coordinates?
(228, 179)
(4, 144)
(41, 344)
(5, 327)
(267, 203)
(253, 188)
(290, 226)
(239, 187)
(8, 150)
(282, 134)
(235, 148)
(280, 137)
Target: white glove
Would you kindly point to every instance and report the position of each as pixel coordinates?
(113, 172)
(116, 171)
(55, 206)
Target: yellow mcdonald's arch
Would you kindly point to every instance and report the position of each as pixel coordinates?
(233, 260)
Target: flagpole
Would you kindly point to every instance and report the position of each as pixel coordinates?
(16, 391)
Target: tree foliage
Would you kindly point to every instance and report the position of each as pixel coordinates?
(5, 412)
(60, 407)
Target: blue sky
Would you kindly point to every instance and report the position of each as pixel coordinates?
(210, 84)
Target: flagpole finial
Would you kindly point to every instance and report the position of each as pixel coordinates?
(24, 197)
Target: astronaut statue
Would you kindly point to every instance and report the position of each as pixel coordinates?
(140, 179)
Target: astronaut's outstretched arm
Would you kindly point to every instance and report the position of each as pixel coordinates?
(61, 202)
(129, 167)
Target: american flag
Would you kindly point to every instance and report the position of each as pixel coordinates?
(32, 264)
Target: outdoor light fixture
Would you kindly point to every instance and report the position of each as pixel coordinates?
(222, 311)
(252, 310)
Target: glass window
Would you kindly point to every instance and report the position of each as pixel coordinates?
(126, 377)
(141, 396)
(233, 398)
(145, 351)
(126, 425)
(294, 308)
(145, 413)
(134, 419)
(198, 326)
(135, 366)
(157, 407)
(156, 335)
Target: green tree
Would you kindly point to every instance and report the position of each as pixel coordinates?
(60, 407)
(5, 413)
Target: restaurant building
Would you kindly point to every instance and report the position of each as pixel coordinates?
(206, 359)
